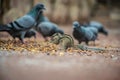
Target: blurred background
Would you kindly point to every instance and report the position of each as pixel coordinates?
(65, 11)
(83, 66)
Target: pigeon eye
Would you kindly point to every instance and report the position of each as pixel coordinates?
(41, 6)
(76, 25)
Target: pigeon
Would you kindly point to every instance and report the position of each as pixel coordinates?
(47, 29)
(30, 33)
(83, 34)
(98, 26)
(23, 24)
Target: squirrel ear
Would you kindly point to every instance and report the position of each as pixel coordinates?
(54, 34)
(60, 35)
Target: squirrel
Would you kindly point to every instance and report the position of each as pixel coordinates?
(63, 40)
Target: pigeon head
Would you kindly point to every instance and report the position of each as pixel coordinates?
(59, 31)
(40, 7)
(30, 33)
(37, 10)
(105, 32)
(76, 24)
(33, 33)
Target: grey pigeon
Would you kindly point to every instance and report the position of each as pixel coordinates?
(30, 33)
(47, 28)
(93, 29)
(23, 24)
(83, 34)
(98, 26)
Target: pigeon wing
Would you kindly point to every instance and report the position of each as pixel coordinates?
(25, 22)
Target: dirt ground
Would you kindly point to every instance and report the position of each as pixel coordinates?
(15, 65)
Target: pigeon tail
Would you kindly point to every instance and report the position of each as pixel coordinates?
(4, 28)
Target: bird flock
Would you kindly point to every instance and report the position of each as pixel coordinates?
(34, 21)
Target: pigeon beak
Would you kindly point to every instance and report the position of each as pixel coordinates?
(44, 8)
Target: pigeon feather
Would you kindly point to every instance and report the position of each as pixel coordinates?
(98, 26)
(83, 34)
(19, 27)
(47, 28)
